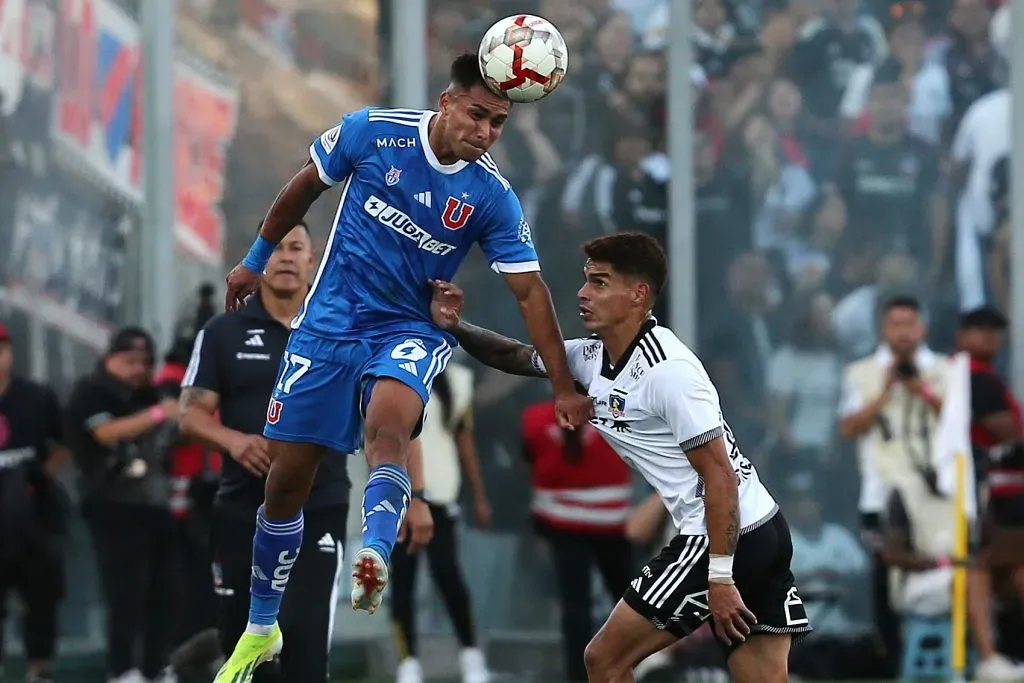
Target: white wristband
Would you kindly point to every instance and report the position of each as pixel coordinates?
(720, 568)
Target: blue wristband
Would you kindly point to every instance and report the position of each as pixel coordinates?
(259, 254)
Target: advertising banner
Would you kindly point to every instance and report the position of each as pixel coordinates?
(99, 120)
(204, 125)
(99, 98)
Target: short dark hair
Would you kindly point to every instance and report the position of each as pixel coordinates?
(301, 223)
(983, 318)
(465, 72)
(635, 254)
(131, 338)
(902, 301)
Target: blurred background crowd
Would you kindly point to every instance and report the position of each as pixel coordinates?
(846, 152)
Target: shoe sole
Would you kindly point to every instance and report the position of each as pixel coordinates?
(369, 577)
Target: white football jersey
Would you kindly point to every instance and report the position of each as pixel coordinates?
(654, 406)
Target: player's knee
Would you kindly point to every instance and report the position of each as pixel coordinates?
(392, 414)
(289, 481)
(284, 494)
(386, 443)
(600, 661)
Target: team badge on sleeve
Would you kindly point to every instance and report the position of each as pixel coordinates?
(330, 138)
(525, 234)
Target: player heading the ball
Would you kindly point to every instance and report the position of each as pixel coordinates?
(418, 191)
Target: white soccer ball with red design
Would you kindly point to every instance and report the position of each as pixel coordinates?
(523, 58)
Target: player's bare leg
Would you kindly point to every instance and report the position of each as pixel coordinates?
(275, 548)
(293, 467)
(625, 640)
(762, 658)
(391, 416)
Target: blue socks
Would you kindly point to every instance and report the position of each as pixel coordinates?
(385, 501)
(274, 551)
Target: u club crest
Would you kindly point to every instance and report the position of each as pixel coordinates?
(456, 213)
(392, 177)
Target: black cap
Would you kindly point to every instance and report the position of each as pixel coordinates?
(985, 317)
(131, 339)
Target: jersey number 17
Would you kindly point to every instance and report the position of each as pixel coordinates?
(295, 366)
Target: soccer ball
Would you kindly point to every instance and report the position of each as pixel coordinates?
(523, 58)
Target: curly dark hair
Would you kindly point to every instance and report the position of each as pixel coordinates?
(634, 254)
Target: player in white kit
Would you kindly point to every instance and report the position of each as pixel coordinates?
(656, 406)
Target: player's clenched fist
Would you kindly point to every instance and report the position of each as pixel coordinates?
(573, 409)
(241, 283)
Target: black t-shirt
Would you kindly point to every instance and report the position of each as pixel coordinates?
(988, 395)
(95, 400)
(972, 75)
(639, 205)
(238, 356)
(887, 189)
(823, 60)
(30, 423)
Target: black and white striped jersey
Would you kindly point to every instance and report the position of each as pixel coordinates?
(657, 403)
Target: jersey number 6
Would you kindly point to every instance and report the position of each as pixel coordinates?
(295, 366)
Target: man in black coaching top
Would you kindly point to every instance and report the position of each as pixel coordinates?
(32, 520)
(233, 369)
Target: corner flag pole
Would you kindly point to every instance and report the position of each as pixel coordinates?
(959, 622)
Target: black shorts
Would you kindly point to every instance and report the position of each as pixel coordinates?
(672, 589)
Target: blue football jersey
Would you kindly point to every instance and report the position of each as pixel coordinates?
(403, 218)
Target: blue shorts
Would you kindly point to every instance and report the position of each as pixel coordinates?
(324, 385)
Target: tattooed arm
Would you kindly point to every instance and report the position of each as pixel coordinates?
(498, 351)
(721, 495)
(681, 393)
(198, 409)
(199, 421)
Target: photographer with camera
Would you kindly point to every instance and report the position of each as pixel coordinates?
(890, 406)
(894, 396)
(120, 431)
